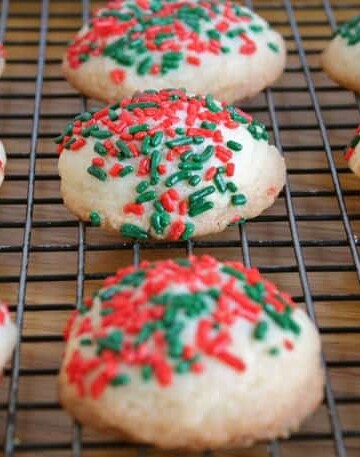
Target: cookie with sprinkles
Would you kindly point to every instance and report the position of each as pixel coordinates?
(341, 58)
(204, 45)
(2, 59)
(191, 353)
(2, 162)
(352, 153)
(8, 335)
(168, 165)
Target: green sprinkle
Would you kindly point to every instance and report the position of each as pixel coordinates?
(142, 186)
(138, 128)
(233, 272)
(274, 351)
(126, 171)
(84, 57)
(208, 125)
(198, 139)
(100, 149)
(146, 197)
(145, 147)
(211, 104)
(238, 200)
(205, 155)
(155, 162)
(235, 146)
(125, 151)
(113, 116)
(200, 194)
(195, 180)
(106, 311)
(159, 207)
(100, 134)
(274, 47)
(156, 223)
(195, 210)
(177, 177)
(123, 59)
(186, 156)
(180, 131)
(86, 342)
(146, 372)
(235, 32)
(95, 219)
(83, 117)
(173, 56)
(113, 342)
(134, 232)
(69, 143)
(261, 330)
(97, 172)
(144, 66)
(256, 28)
(156, 139)
(214, 34)
(182, 367)
(220, 183)
(120, 380)
(189, 230)
(190, 166)
(232, 187)
(179, 142)
(355, 141)
(142, 105)
(258, 130)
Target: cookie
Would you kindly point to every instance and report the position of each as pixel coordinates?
(341, 59)
(167, 164)
(2, 59)
(191, 353)
(352, 153)
(2, 162)
(8, 335)
(213, 46)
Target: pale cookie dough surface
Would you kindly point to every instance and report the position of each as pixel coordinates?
(2, 162)
(169, 165)
(193, 354)
(211, 46)
(341, 58)
(352, 153)
(7, 336)
(2, 59)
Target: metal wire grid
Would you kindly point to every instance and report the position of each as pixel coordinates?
(338, 435)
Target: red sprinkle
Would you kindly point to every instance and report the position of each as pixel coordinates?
(118, 76)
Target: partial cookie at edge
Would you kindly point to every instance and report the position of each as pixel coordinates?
(253, 60)
(2, 162)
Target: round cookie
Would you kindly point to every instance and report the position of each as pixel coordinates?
(352, 153)
(2, 59)
(2, 162)
(341, 58)
(191, 353)
(205, 46)
(169, 165)
(8, 335)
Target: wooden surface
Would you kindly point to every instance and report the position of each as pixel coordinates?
(41, 346)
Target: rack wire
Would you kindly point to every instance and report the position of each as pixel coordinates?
(307, 242)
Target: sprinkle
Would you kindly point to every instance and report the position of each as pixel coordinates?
(95, 219)
(234, 145)
(117, 76)
(238, 200)
(115, 170)
(133, 231)
(134, 208)
(97, 173)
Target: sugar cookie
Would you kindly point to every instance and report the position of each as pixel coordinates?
(191, 353)
(169, 165)
(205, 46)
(341, 59)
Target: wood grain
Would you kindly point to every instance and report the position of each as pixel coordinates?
(47, 423)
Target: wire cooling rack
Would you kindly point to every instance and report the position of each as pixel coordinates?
(307, 242)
